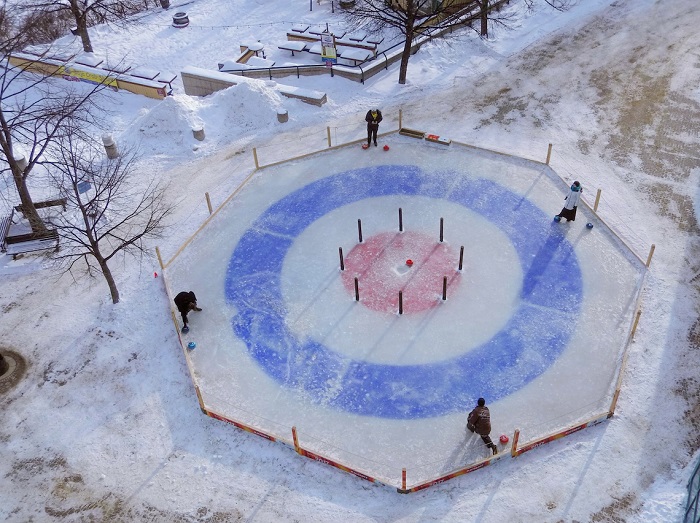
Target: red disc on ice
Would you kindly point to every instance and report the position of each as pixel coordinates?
(381, 265)
(503, 439)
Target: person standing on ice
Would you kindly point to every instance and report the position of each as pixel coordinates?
(572, 201)
(479, 421)
(186, 302)
(373, 117)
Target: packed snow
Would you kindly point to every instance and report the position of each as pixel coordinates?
(105, 424)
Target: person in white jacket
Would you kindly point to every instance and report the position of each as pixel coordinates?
(572, 201)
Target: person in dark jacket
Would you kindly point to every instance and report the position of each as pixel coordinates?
(373, 117)
(479, 421)
(572, 201)
(186, 302)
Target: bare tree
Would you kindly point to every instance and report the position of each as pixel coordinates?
(412, 18)
(114, 216)
(87, 13)
(36, 110)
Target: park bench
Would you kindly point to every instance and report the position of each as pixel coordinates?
(356, 56)
(293, 46)
(56, 202)
(24, 243)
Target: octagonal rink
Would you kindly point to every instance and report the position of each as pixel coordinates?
(535, 319)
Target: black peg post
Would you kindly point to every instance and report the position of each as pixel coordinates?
(400, 220)
(441, 228)
(342, 263)
(357, 290)
(461, 256)
(359, 229)
(444, 288)
(400, 302)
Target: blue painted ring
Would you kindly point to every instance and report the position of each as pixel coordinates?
(533, 338)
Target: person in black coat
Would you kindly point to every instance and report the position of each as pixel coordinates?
(373, 117)
(479, 421)
(186, 302)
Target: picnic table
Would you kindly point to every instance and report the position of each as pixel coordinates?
(300, 28)
(293, 45)
(166, 78)
(376, 40)
(315, 49)
(357, 36)
(144, 72)
(319, 32)
(88, 59)
(356, 55)
(256, 47)
(120, 67)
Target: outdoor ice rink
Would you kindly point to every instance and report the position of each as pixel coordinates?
(536, 321)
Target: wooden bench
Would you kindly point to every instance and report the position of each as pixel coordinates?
(356, 56)
(46, 203)
(297, 46)
(4, 229)
(31, 242)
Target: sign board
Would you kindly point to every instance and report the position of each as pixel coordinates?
(328, 52)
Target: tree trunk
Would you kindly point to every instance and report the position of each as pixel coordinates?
(484, 18)
(108, 276)
(403, 68)
(81, 25)
(28, 209)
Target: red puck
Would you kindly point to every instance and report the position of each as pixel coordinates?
(386, 147)
(409, 262)
(503, 439)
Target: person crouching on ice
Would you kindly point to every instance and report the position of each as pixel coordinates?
(479, 421)
(186, 302)
(572, 201)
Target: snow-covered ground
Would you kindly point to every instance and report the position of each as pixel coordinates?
(105, 424)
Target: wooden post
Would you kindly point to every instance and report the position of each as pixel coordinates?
(400, 220)
(400, 126)
(461, 256)
(634, 325)
(403, 479)
(206, 195)
(342, 263)
(514, 446)
(255, 157)
(611, 412)
(359, 229)
(296, 440)
(651, 253)
(549, 153)
(357, 290)
(400, 302)
(160, 260)
(597, 200)
(328, 130)
(444, 288)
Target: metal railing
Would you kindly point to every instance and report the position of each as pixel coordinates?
(692, 508)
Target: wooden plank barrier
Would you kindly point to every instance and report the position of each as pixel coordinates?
(557, 435)
(328, 461)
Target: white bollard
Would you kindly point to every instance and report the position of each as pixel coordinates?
(110, 146)
(198, 132)
(282, 115)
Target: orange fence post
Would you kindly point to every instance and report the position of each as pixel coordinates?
(514, 446)
(296, 440)
(651, 253)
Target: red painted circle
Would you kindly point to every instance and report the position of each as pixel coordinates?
(380, 265)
